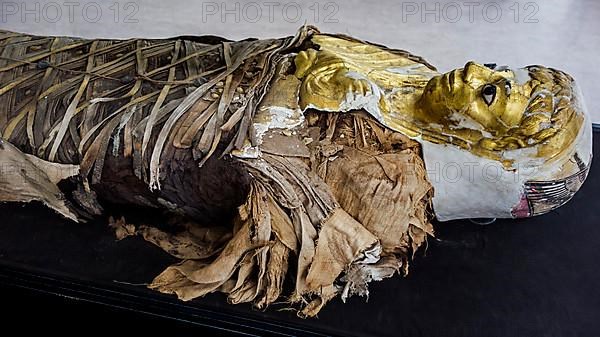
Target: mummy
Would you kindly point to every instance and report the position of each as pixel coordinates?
(317, 158)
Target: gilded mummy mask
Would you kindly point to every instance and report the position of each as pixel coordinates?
(497, 142)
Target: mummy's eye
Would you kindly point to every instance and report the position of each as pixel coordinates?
(508, 88)
(488, 93)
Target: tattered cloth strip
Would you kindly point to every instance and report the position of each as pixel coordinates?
(336, 203)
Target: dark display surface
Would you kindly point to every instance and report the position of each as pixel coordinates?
(531, 277)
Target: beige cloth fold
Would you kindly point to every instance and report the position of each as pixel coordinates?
(384, 192)
(342, 240)
(25, 178)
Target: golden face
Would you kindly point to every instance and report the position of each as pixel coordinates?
(485, 110)
(492, 98)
